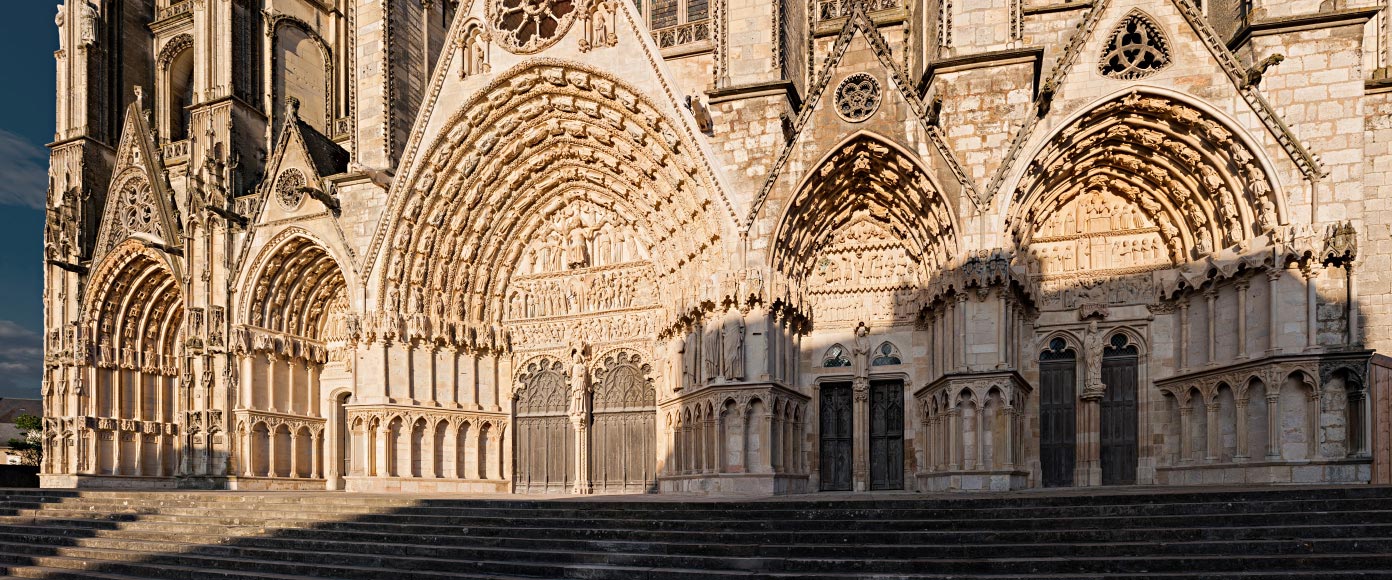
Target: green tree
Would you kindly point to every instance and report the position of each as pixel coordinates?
(30, 447)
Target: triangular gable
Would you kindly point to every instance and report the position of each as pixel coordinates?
(859, 26)
(1094, 32)
(302, 158)
(139, 202)
(625, 51)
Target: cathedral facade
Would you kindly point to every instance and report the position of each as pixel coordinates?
(718, 246)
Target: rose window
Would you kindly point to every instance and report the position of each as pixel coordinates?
(531, 25)
(288, 189)
(858, 97)
(1136, 49)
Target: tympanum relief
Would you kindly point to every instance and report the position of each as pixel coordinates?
(1098, 249)
(586, 276)
(864, 274)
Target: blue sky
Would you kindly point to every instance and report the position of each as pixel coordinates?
(27, 39)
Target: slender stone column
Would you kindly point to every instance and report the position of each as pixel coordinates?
(295, 454)
(1211, 295)
(981, 418)
(1273, 423)
(954, 436)
(1312, 424)
(1212, 429)
(383, 451)
(139, 437)
(1185, 447)
(959, 333)
(271, 454)
(451, 453)
(159, 453)
(1311, 304)
(1010, 418)
(1002, 323)
(1184, 336)
(428, 452)
(1351, 308)
(1241, 287)
(247, 459)
(1242, 451)
(1273, 323)
(315, 453)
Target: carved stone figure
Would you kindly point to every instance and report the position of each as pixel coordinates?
(732, 338)
(860, 354)
(89, 23)
(579, 382)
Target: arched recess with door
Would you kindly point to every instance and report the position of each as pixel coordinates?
(1120, 418)
(291, 331)
(134, 314)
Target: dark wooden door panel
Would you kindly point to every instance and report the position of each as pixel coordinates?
(1057, 421)
(836, 436)
(887, 435)
(1120, 372)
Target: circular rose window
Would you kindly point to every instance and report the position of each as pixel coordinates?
(857, 97)
(527, 26)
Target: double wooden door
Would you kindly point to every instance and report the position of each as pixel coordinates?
(885, 433)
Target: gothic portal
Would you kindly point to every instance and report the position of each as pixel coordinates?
(619, 246)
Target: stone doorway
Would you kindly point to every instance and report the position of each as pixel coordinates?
(1120, 372)
(886, 435)
(837, 437)
(1058, 377)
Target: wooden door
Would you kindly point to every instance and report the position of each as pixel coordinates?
(836, 436)
(886, 435)
(543, 439)
(1058, 375)
(1120, 373)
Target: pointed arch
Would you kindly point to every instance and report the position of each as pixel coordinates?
(1197, 179)
(296, 287)
(477, 197)
(866, 177)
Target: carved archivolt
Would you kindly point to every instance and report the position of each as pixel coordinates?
(134, 313)
(866, 179)
(1148, 164)
(537, 141)
(298, 290)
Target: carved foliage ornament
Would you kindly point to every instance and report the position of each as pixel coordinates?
(858, 97)
(527, 26)
(1135, 50)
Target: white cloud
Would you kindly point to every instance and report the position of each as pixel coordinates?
(25, 170)
(21, 361)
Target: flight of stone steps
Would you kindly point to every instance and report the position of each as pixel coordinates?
(1330, 533)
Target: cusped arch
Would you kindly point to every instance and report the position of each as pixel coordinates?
(866, 176)
(1196, 176)
(542, 135)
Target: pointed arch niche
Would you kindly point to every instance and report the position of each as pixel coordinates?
(294, 332)
(863, 232)
(1158, 164)
(135, 316)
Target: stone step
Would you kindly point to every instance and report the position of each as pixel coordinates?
(472, 548)
(443, 524)
(427, 513)
(1286, 533)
